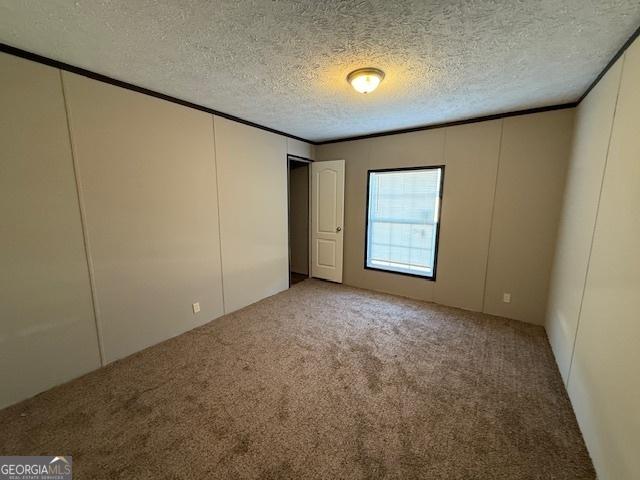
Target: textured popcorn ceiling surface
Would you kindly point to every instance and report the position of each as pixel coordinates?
(283, 64)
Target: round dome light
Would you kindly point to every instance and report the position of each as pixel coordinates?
(365, 80)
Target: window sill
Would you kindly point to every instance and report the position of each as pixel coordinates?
(415, 275)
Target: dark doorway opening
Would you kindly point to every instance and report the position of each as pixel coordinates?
(299, 187)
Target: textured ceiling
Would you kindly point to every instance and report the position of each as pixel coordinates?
(283, 64)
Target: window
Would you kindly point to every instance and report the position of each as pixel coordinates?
(403, 212)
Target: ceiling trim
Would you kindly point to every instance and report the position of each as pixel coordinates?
(613, 60)
(484, 118)
(129, 86)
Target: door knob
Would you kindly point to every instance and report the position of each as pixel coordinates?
(338, 229)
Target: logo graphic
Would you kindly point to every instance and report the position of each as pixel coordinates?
(36, 468)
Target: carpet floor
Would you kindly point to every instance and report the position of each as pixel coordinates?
(321, 381)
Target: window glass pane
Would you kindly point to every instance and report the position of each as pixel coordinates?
(402, 221)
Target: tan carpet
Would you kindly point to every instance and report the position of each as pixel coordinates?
(320, 381)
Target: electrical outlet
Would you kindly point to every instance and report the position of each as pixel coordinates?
(506, 297)
(196, 307)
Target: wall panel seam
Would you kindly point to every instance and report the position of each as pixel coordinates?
(83, 223)
(435, 296)
(493, 208)
(215, 171)
(595, 223)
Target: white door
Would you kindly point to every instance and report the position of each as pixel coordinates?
(327, 216)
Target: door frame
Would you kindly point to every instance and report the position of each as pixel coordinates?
(308, 161)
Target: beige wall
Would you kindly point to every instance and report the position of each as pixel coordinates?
(146, 169)
(471, 158)
(594, 118)
(492, 171)
(300, 149)
(252, 183)
(603, 379)
(47, 329)
(299, 219)
(147, 182)
(533, 158)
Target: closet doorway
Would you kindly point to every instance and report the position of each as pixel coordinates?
(299, 229)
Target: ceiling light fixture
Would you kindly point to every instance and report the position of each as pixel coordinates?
(365, 80)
